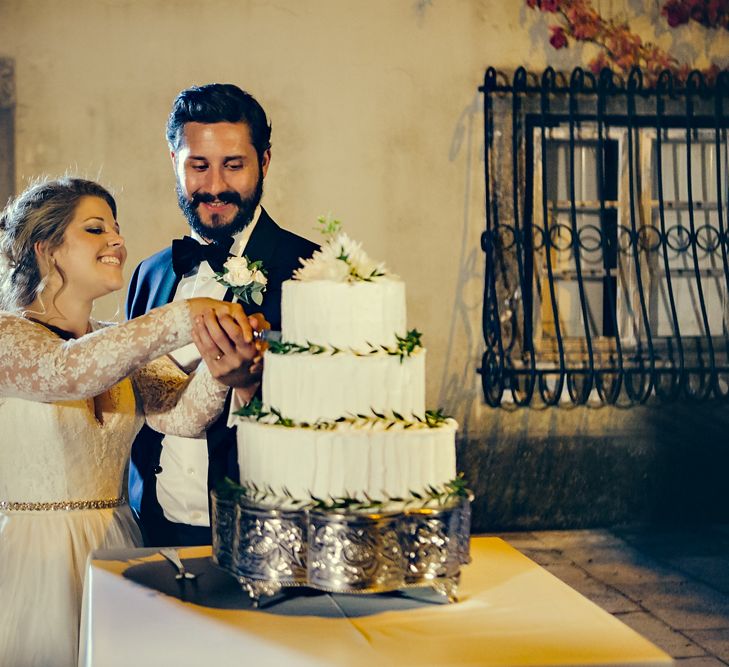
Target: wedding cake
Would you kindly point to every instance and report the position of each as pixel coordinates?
(347, 482)
(343, 412)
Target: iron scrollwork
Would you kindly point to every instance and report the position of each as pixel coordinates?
(346, 551)
(606, 245)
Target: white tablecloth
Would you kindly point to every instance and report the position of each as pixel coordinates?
(510, 612)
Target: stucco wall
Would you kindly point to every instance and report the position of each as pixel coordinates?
(376, 118)
(374, 107)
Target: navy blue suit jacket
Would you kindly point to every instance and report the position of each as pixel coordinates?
(153, 284)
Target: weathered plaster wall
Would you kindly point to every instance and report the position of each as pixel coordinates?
(376, 117)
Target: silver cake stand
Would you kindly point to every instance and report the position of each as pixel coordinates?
(268, 547)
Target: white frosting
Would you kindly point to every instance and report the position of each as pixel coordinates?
(306, 387)
(346, 461)
(345, 315)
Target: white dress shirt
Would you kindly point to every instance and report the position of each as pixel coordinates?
(182, 485)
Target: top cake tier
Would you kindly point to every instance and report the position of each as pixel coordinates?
(346, 315)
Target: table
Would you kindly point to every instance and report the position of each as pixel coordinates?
(511, 611)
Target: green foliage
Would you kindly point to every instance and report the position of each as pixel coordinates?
(253, 409)
(256, 410)
(430, 497)
(434, 418)
(405, 347)
(227, 489)
(329, 226)
(407, 344)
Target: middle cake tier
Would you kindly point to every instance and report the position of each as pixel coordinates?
(308, 387)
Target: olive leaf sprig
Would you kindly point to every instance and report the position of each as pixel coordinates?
(430, 496)
(257, 411)
(405, 347)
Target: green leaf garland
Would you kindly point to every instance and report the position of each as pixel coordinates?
(405, 347)
(257, 411)
(431, 496)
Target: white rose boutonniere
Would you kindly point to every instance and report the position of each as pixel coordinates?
(246, 279)
(260, 277)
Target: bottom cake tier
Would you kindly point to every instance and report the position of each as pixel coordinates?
(346, 461)
(341, 550)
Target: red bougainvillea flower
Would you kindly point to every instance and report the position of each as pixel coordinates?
(620, 48)
(549, 5)
(558, 39)
(585, 30)
(709, 13)
(599, 63)
(676, 13)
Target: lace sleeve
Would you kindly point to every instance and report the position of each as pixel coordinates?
(37, 365)
(177, 403)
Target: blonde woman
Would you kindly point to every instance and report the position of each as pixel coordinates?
(73, 395)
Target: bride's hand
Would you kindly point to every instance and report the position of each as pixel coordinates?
(199, 306)
(229, 357)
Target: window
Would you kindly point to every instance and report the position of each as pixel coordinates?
(606, 246)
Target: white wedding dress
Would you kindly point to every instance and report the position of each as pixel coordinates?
(62, 448)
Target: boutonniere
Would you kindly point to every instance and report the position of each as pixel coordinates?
(246, 279)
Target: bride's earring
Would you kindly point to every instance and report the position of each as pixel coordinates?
(46, 269)
(42, 310)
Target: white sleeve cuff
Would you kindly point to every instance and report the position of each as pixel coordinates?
(236, 403)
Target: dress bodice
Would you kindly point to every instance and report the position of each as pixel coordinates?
(59, 451)
(52, 446)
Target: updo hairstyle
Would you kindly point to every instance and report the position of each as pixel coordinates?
(41, 213)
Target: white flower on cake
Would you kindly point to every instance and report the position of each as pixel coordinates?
(340, 259)
(324, 265)
(246, 279)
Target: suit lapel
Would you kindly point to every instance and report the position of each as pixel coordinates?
(262, 243)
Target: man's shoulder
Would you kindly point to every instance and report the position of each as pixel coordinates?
(290, 238)
(153, 266)
(287, 239)
(162, 257)
(148, 278)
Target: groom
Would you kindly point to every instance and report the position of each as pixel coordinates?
(219, 140)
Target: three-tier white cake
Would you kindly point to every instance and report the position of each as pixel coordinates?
(343, 412)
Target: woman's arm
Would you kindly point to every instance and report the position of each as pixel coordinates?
(177, 403)
(37, 365)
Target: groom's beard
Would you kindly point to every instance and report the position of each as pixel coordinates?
(246, 210)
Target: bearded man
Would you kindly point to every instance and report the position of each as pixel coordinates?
(220, 144)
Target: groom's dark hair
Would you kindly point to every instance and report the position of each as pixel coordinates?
(219, 103)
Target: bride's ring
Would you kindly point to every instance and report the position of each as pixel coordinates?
(218, 357)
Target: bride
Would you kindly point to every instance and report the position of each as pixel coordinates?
(73, 394)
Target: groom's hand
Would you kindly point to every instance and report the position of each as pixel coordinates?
(231, 359)
(200, 305)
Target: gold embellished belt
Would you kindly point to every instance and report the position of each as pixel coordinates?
(61, 505)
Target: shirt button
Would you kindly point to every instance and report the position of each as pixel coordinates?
(157, 470)
(194, 515)
(191, 471)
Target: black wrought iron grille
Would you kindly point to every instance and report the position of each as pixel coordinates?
(606, 239)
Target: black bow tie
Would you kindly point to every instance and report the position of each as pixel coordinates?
(187, 254)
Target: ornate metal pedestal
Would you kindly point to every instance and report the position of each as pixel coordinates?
(343, 550)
